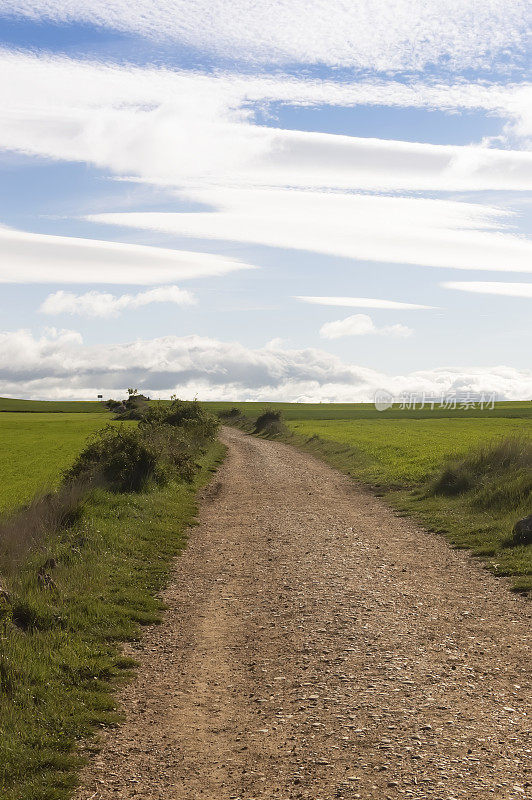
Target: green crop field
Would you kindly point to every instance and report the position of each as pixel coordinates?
(36, 448)
(56, 406)
(351, 411)
(393, 452)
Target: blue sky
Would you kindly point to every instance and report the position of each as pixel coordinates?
(287, 200)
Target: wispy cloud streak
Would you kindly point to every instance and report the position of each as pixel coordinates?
(40, 258)
(374, 34)
(363, 302)
(398, 230)
(184, 128)
(491, 287)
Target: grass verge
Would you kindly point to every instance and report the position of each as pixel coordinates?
(62, 617)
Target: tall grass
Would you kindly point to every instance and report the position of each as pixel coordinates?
(27, 528)
(270, 423)
(495, 475)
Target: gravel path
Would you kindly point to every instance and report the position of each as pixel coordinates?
(318, 646)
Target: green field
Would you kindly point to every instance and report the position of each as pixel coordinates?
(401, 453)
(36, 448)
(521, 409)
(55, 406)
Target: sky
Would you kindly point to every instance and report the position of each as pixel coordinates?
(301, 200)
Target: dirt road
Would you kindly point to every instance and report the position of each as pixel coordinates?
(318, 646)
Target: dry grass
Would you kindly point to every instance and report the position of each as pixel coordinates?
(497, 474)
(270, 423)
(27, 529)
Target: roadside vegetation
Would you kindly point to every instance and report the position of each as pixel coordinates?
(88, 581)
(468, 477)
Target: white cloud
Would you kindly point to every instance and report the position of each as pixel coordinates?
(491, 287)
(186, 128)
(40, 258)
(62, 83)
(361, 325)
(58, 365)
(301, 158)
(362, 302)
(374, 34)
(436, 233)
(103, 304)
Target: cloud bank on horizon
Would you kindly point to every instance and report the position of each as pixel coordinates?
(59, 365)
(339, 154)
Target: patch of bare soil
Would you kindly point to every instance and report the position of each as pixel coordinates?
(318, 646)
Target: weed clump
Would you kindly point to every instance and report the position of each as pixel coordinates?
(27, 527)
(133, 408)
(114, 405)
(119, 456)
(230, 413)
(522, 532)
(232, 416)
(270, 423)
(497, 475)
(190, 417)
(236, 418)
